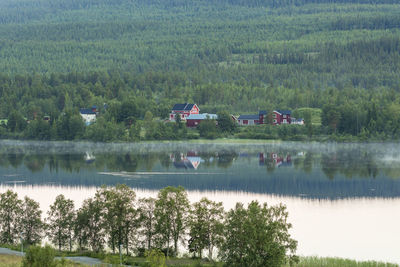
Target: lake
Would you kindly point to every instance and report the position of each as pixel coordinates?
(343, 199)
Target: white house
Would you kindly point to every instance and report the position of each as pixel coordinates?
(88, 115)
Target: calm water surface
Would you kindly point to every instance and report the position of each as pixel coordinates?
(343, 200)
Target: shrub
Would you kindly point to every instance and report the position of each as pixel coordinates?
(39, 257)
(155, 258)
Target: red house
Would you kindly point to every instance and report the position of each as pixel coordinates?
(281, 117)
(255, 119)
(184, 110)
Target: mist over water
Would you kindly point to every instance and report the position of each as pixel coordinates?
(343, 199)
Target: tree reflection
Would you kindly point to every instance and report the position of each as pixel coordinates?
(348, 163)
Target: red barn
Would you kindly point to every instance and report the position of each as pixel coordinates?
(184, 110)
(281, 117)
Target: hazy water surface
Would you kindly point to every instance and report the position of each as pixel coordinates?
(343, 200)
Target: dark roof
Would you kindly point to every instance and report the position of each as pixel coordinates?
(262, 112)
(86, 111)
(248, 117)
(284, 112)
(185, 106)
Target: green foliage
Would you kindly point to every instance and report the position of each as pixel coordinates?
(225, 122)
(16, 122)
(38, 129)
(70, 126)
(90, 224)
(237, 56)
(10, 215)
(31, 224)
(37, 256)
(171, 214)
(148, 221)
(257, 236)
(120, 215)
(155, 258)
(205, 227)
(208, 129)
(60, 222)
(103, 131)
(337, 262)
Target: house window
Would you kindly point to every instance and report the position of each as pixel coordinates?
(284, 116)
(275, 121)
(274, 115)
(284, 121)
(245, 122)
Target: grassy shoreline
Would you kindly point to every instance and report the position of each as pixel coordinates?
(311, 261)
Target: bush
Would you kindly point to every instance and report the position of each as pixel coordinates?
(155, 258)
(39, 257)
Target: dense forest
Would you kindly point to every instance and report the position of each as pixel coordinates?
(341, 58)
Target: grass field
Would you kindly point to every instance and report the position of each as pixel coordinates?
(16, 261)
(337, 262)
(10, 261)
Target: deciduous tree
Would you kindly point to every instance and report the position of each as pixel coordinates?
(10, 214)
(205, 226)
(257, 236)
(60, 221)
(31, 224)
(171, 210)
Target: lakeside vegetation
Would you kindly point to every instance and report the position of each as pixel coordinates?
(338, 60)
(16, 261)
(152, 227)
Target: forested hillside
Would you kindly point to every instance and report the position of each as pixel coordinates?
(236, 55)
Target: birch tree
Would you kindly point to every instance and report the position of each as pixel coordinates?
(60, 220)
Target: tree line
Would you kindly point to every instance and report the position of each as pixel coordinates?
(115, 219)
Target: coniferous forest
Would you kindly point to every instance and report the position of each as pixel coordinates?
(135, 59)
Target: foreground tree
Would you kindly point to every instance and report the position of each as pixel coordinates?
(258, 236)
(61, 217)
(171, 214)
(31, 224)
(148, 220)
(121, 215)
(90, 225)
(10, 213)
(205, 226)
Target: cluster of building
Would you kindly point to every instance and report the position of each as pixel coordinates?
(278, 117)
(190, 113)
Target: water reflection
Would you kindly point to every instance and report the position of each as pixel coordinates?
(332, 171)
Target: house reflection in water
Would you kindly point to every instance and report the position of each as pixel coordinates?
(190, 160)
(275, 159)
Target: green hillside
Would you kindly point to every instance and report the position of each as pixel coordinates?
(307, 43)
(233, 55)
